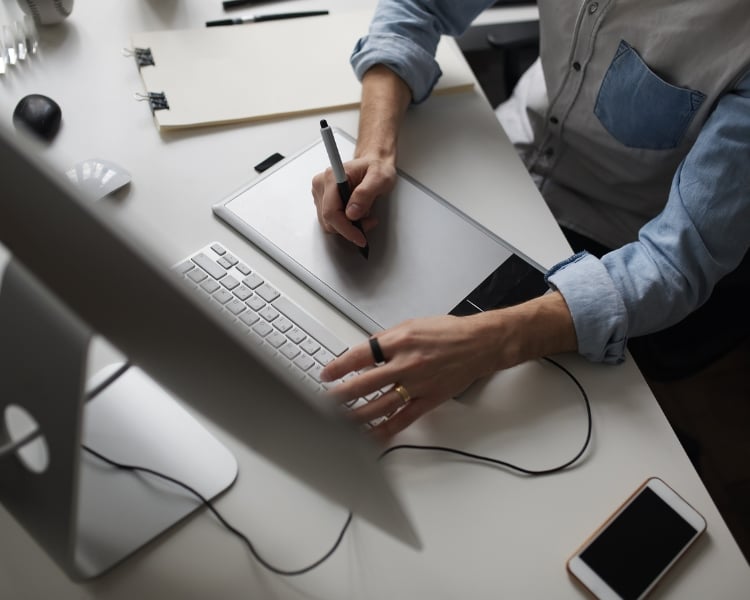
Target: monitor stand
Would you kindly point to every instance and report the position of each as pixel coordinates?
(88, 516)
(136, 422)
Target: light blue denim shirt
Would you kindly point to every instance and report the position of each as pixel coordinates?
(644, 145)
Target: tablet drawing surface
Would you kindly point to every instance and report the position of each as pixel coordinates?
(425, 256)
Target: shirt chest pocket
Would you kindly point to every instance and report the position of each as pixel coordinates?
(640, 109)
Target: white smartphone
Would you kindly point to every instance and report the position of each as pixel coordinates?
(636, 546)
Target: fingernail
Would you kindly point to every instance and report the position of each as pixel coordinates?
(353, 211)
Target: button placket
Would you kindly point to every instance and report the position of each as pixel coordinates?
(590, 16)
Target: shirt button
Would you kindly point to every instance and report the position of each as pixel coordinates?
(554, 120)
(549, 152)
(593, 7)
(577, 66)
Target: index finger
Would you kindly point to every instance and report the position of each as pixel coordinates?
(354, 359)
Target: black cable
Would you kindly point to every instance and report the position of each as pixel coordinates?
(207, 503)
(340, 537)
(508, 465)
(108, 381)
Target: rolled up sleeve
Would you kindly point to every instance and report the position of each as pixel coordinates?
(404, 35)
(599, 315)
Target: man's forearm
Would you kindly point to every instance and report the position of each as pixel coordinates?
(385, 98)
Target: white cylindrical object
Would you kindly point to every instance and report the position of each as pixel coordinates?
(47, 12)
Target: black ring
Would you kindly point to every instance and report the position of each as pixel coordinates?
(377, 351)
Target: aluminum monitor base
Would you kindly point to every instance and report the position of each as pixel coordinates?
(136, 422)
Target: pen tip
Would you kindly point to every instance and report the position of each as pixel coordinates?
(365, 251)
(323, 123)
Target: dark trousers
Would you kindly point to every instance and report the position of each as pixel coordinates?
(707, 334)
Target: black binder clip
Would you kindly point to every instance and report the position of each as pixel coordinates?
(143, 56)
(156, 100)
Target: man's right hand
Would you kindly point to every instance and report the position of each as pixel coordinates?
(368, 180)
(372, 172)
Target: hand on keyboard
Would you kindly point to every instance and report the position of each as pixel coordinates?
(272, 320)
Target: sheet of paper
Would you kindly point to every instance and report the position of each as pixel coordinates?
(265, 70)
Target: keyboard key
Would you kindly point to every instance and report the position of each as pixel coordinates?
(310, 346)
(210, 286)
(243, 268)
(269, 313)
(276, 339)
(283, 324)
(253, 281)
(296, 335)
(290, 351)
(309, 324)
(323, 356)
(229, 282)
(267, 292)
(249, 318)
(255, 302)
(229, 260)
(304, 362)
(314, 372)
(235, 306)
(222, 296)
(262, 329)
(219, 249)
(197, 275)
(184, 267)
(209, 266)
(242, 292)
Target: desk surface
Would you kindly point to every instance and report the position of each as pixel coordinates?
(487, 533)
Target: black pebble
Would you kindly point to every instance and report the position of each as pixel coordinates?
(38, 113)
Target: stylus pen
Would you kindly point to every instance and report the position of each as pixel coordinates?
(340, 174)
(235, 3)
(261, 18)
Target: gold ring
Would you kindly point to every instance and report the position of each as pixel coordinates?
(401, 391)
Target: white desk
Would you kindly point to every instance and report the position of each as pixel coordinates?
(487, 533)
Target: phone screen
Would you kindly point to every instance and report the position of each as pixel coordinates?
(634, 549)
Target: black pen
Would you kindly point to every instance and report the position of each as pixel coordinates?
(271, 17)
(235, 3)
(342, 181)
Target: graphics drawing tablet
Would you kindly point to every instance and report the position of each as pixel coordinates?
(426, 257)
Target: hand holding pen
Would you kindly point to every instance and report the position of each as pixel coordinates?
(342, 181)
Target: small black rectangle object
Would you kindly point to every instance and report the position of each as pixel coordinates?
(268, 162)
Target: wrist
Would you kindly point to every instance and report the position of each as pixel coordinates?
(385, 97)
(530, 330)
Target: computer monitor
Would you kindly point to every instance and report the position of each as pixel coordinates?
(81, 272)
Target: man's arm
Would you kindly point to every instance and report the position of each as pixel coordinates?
(372, 172)
(701, 235)
(437, 358)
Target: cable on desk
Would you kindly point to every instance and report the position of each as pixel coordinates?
(207, 503)
(337, 543)
(511, 466)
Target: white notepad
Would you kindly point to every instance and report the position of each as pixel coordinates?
(262, 70)
(425, 256)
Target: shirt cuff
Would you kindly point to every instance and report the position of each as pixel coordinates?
(396, 52)
(598, 312)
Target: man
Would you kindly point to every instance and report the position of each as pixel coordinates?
(640, 144)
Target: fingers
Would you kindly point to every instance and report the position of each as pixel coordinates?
(354, 359)
(369, 180)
